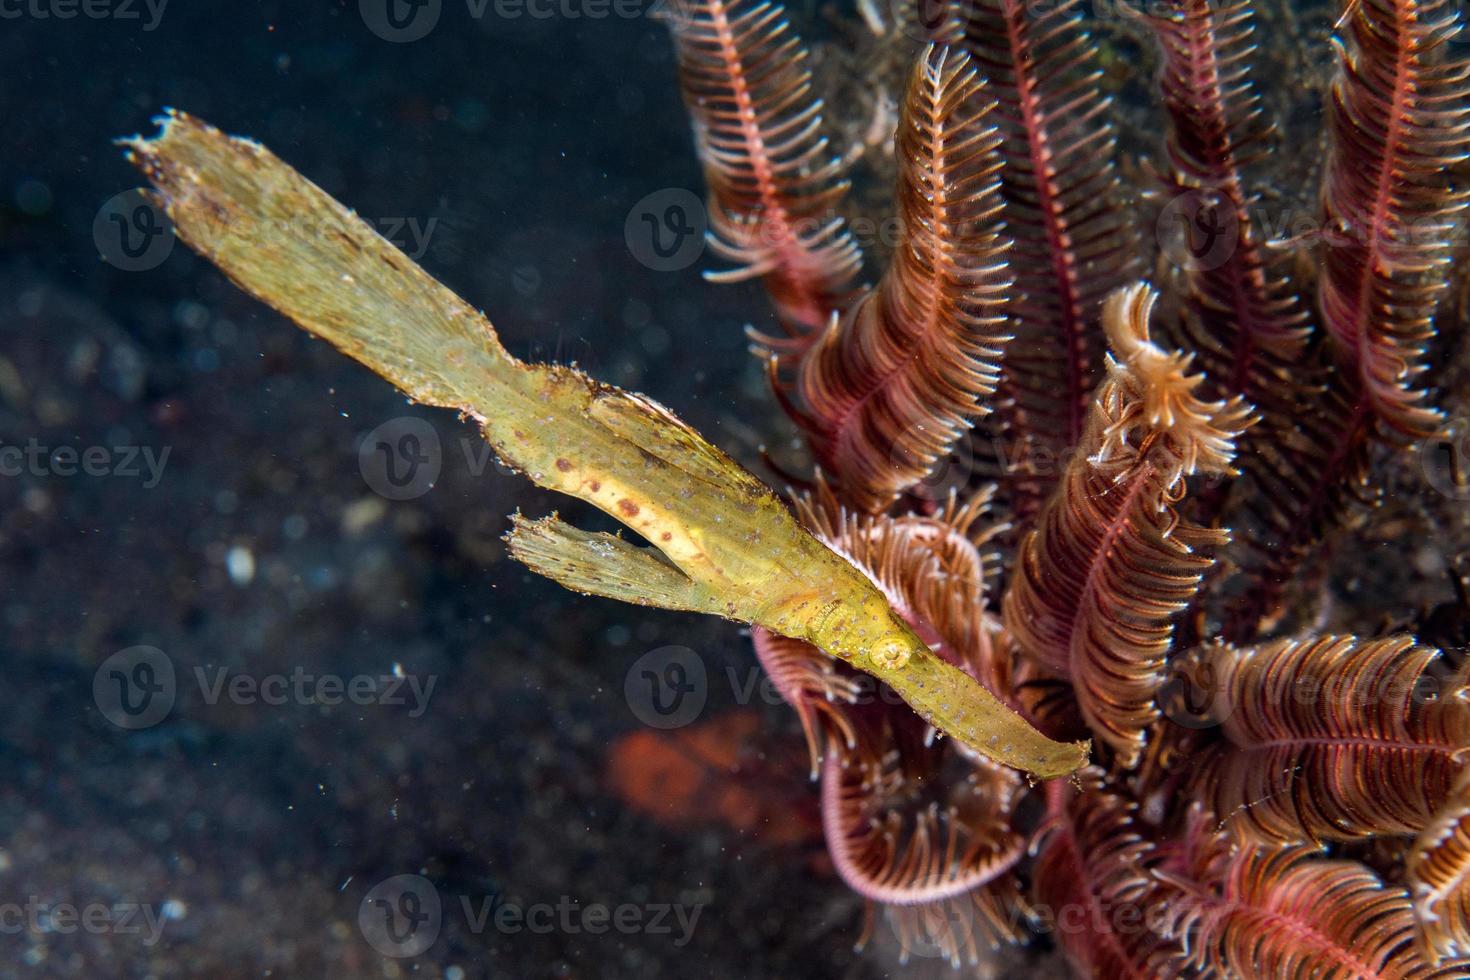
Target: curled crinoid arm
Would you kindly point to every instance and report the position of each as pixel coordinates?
(1251, 911)
(1110, 563)
(1303, 478)
(1243, 317)
(1334, 739)
(893, 384)
(934, 576)
(813, 684)
(1094, 883)
(1063, 212)
(774, 182)
(1438, 875)
(745, 556)
(941, 867)
(1399, 120)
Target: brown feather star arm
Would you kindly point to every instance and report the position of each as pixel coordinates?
(892, 385)
(1110, 563)
(1063, 212)
(1333, 738)
(774, 184)
(942, 871)
(1251, 911)
(745, 556)
(1399, 119)
(1242, 316)
(1094, 883)
(1305, 476)
(1438, 875)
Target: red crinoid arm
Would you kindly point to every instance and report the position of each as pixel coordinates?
(1438, 875)
(890, 387)
(1094, 883)
(1305, 474)
(1333, 738)
(1245, 321)
(942, 871)
(1098, 582)
(773, 183)
(1399, 117)
(1249, 911)
(1062, 195)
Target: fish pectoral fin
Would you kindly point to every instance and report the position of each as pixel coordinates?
(595, 563)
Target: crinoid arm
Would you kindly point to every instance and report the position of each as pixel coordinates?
(1110, 563)
(1243, 318)
(1333, 738)
(1399, 122)
(1438, 875)
(746, 557)
(1094, 883)
(1245, 910)
(891, 386)
(774, 182)
(1063, 212)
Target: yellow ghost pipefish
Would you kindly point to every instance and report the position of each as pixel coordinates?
(725, 544)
